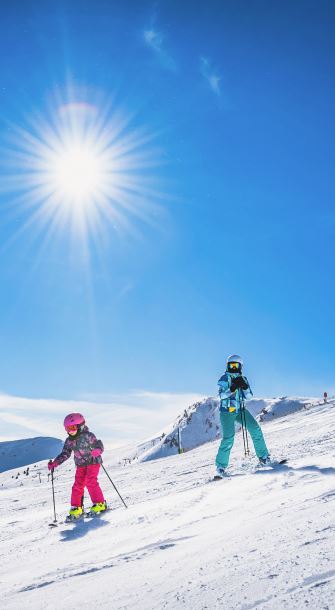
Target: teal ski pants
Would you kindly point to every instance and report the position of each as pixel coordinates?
(228, 436)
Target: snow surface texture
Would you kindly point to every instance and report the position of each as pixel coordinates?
(263, 539)
(200, 423)
(14, 454)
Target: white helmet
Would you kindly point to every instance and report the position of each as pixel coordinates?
(237, 360)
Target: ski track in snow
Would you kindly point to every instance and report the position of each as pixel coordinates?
(263, 539)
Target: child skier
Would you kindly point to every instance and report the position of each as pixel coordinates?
(233, 389)
(87, 451)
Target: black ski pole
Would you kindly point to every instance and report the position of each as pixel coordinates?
(114, 485)
(244, 427)
(54, 524)
(246, 430)
(243, 432)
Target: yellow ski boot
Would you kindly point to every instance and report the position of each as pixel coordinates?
(75, 513)
(97, 509)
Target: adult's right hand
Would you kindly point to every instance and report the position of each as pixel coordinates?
(233, 386)
(238, 382)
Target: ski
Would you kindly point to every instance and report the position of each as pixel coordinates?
(273, 463)
(85, 515)
(70, 519)
(218, 478)
(229, 475)
(280, 462)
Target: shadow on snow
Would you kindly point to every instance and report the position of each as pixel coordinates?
(74, 531)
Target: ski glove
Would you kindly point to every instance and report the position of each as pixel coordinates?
(96, 452)
(238, 383)
(52, 464)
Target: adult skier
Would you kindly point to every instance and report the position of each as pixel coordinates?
(233, 390)
(87, 452)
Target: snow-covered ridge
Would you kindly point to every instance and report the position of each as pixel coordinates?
(280, 407)
(14, 454)
(197, 425)
(200, 423)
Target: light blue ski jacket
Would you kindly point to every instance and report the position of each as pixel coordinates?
(232, 400)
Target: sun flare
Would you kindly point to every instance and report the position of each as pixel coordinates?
(77, 173)
(84, 167)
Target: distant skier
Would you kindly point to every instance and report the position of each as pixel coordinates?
(233, 389)
(87, 452)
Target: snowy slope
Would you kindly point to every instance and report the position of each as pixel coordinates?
(14, 454)
(279, 407)
(262, 540)
(200, 423)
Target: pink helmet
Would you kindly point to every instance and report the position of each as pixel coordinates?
(74, 419)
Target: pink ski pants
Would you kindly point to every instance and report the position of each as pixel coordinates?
(86, 476)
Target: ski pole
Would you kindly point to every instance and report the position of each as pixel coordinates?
(246, 449)
(243, 432)
(114, 485)
(244, 427)
(53, 497)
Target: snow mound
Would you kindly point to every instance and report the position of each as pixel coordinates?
(280, 407)
(14, 454)
(200, 424)
(197, 425)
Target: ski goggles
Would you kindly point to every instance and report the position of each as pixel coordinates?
(234, 366)
(71, 428)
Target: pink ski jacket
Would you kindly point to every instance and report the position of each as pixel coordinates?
(81, 445)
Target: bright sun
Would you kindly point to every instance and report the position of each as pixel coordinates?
(78, 174)
(83, 168)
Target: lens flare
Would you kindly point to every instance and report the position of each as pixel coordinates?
(82, 167)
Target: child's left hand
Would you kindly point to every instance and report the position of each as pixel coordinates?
(96, 452)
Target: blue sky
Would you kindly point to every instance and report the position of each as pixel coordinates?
(231, 251)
